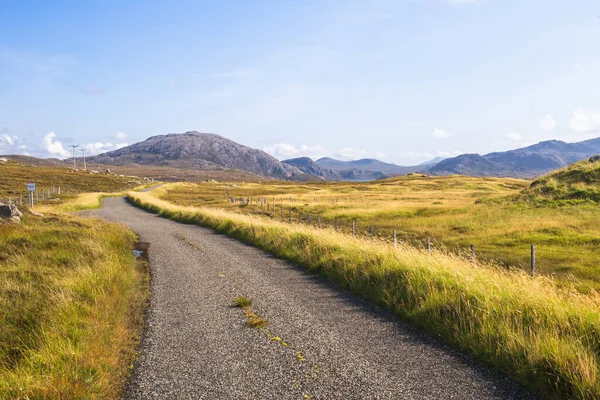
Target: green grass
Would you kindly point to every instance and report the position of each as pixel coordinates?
(243, 302)
(576, 184)
(545, 336)
(71, 304)
(253, 319)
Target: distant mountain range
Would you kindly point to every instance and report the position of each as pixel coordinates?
(195, 151)
(365, 169)
(526, 162)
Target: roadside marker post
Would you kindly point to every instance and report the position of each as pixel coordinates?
(533, 260)
(30, 189)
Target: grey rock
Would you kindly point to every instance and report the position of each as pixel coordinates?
(9, 211)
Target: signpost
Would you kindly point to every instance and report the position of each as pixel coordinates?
(31, 189)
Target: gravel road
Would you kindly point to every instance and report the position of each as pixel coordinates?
(197, 346)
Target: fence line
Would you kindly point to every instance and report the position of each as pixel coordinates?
(275, 208)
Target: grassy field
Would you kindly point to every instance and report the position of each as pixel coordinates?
(454, 212)
(71, 303)
(16, 174)
(72, 294)
(545, 336)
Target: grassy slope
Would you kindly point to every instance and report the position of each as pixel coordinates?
(15, 175)
(453, 211)
(577, 183)
(71, 293)
(545, 337)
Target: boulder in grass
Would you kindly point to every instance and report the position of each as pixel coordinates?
(8, 211)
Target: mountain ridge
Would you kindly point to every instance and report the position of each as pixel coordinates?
(526, 162)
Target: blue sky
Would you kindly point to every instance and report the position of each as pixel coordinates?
(403, 81)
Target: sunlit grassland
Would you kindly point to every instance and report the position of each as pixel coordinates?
(71, 304)
(16, 174)
(545, 336)
(72, 294)
(454, 212)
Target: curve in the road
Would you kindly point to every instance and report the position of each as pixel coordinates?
(337, 346)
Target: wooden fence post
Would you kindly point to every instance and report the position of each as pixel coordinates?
(319, 221)
(353, 227)
(371, 231)
(290, 217)
(532, 259)
(395, 239)
(309, 218)
(473, 252)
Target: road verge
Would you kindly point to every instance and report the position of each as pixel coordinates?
(545, 337)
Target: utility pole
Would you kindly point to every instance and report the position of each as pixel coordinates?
(74, 146)
(83, 150)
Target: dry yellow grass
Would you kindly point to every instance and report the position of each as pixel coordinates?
(543, 335)
(454, 212)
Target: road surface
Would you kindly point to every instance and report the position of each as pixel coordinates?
(197, 346)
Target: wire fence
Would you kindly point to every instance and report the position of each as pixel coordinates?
(523, 256)
(41, 194)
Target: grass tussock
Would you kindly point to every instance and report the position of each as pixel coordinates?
(242, 302)
(71, 305)
(253, 319)
(546, 337)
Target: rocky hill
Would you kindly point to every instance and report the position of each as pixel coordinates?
(202, 151)
(527, 162)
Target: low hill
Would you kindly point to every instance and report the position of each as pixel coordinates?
(366, 169)
(308, 166)
(527, 162)
(576, 183)
(200, 151)
(367, 164)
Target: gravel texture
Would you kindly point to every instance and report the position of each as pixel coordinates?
(197, 346)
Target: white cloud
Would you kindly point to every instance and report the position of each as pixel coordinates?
(514, 136)
(121, 145)
(284, 151)
(441, 133)
(547, 123)
(121, 135)
(584, 121)
(11, 144)
(53, 147)
(352, 154)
